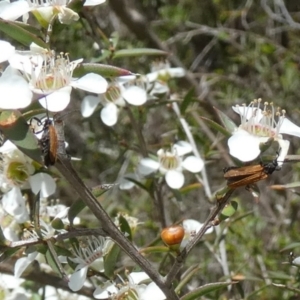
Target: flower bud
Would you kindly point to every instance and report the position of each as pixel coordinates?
(172, 235)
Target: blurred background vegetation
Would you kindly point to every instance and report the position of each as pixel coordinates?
(234, 51)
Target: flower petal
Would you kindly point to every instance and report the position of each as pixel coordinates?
(296, 261)
(58, 100)
(93, 2)
(14, 10)
(7, 50)
(152, 292)
(284, 148)
(43, 183)
(14, 89)
(152, 76)
(190, 225)
(67, 15)
(174, 179)
(159, 87)
(13, 202)
(243, 145)
(77, 279)
(147, 166)
(109, 114)
(22, 263)
(91, 82)
(176, 72)
(135, 95)
(289, 127)
(26, 60)
(126, 184)
(249, 112)
(182, 148)
(137, 277)
(88, 105)
(193, 164)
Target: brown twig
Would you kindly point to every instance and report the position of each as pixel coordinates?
(221, 202)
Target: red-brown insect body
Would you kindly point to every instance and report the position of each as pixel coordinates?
(49, 143)
(244, 176)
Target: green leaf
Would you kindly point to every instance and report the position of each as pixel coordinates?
(191, 187)
(125, 228)
(8, 253)
(103, 70)
(139, 52)
(290, 246)
(279, 275)
(34, 30)
(139, 184)
(205, 289)
(16, 129)
(188, 98)
(62, 251)
(110, 260)
(217, 127)
(75, 209)
(51, 262)
(20, 34)
(101, 189)
(229, 210)
(227, 122)
(187, 276)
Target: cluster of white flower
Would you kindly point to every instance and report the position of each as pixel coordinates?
(258, 126)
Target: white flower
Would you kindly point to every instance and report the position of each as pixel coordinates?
(43, 10)
(131, 91)
(171, 164)
(52, 76)
(132, 289)
(258, 126)
(18, 173)
(86, 255)
(160, 74)
(14, 90)
(163, 70)
(191, 228)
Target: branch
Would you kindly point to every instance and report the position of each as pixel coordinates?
(66, 169)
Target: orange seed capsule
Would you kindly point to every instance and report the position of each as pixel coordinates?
(172, 235)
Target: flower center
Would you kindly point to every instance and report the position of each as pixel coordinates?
(130, 294)
(264, 122)
(113, 93)
(90, 249)
(17, 173)
(169, 160)
(54, 74)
